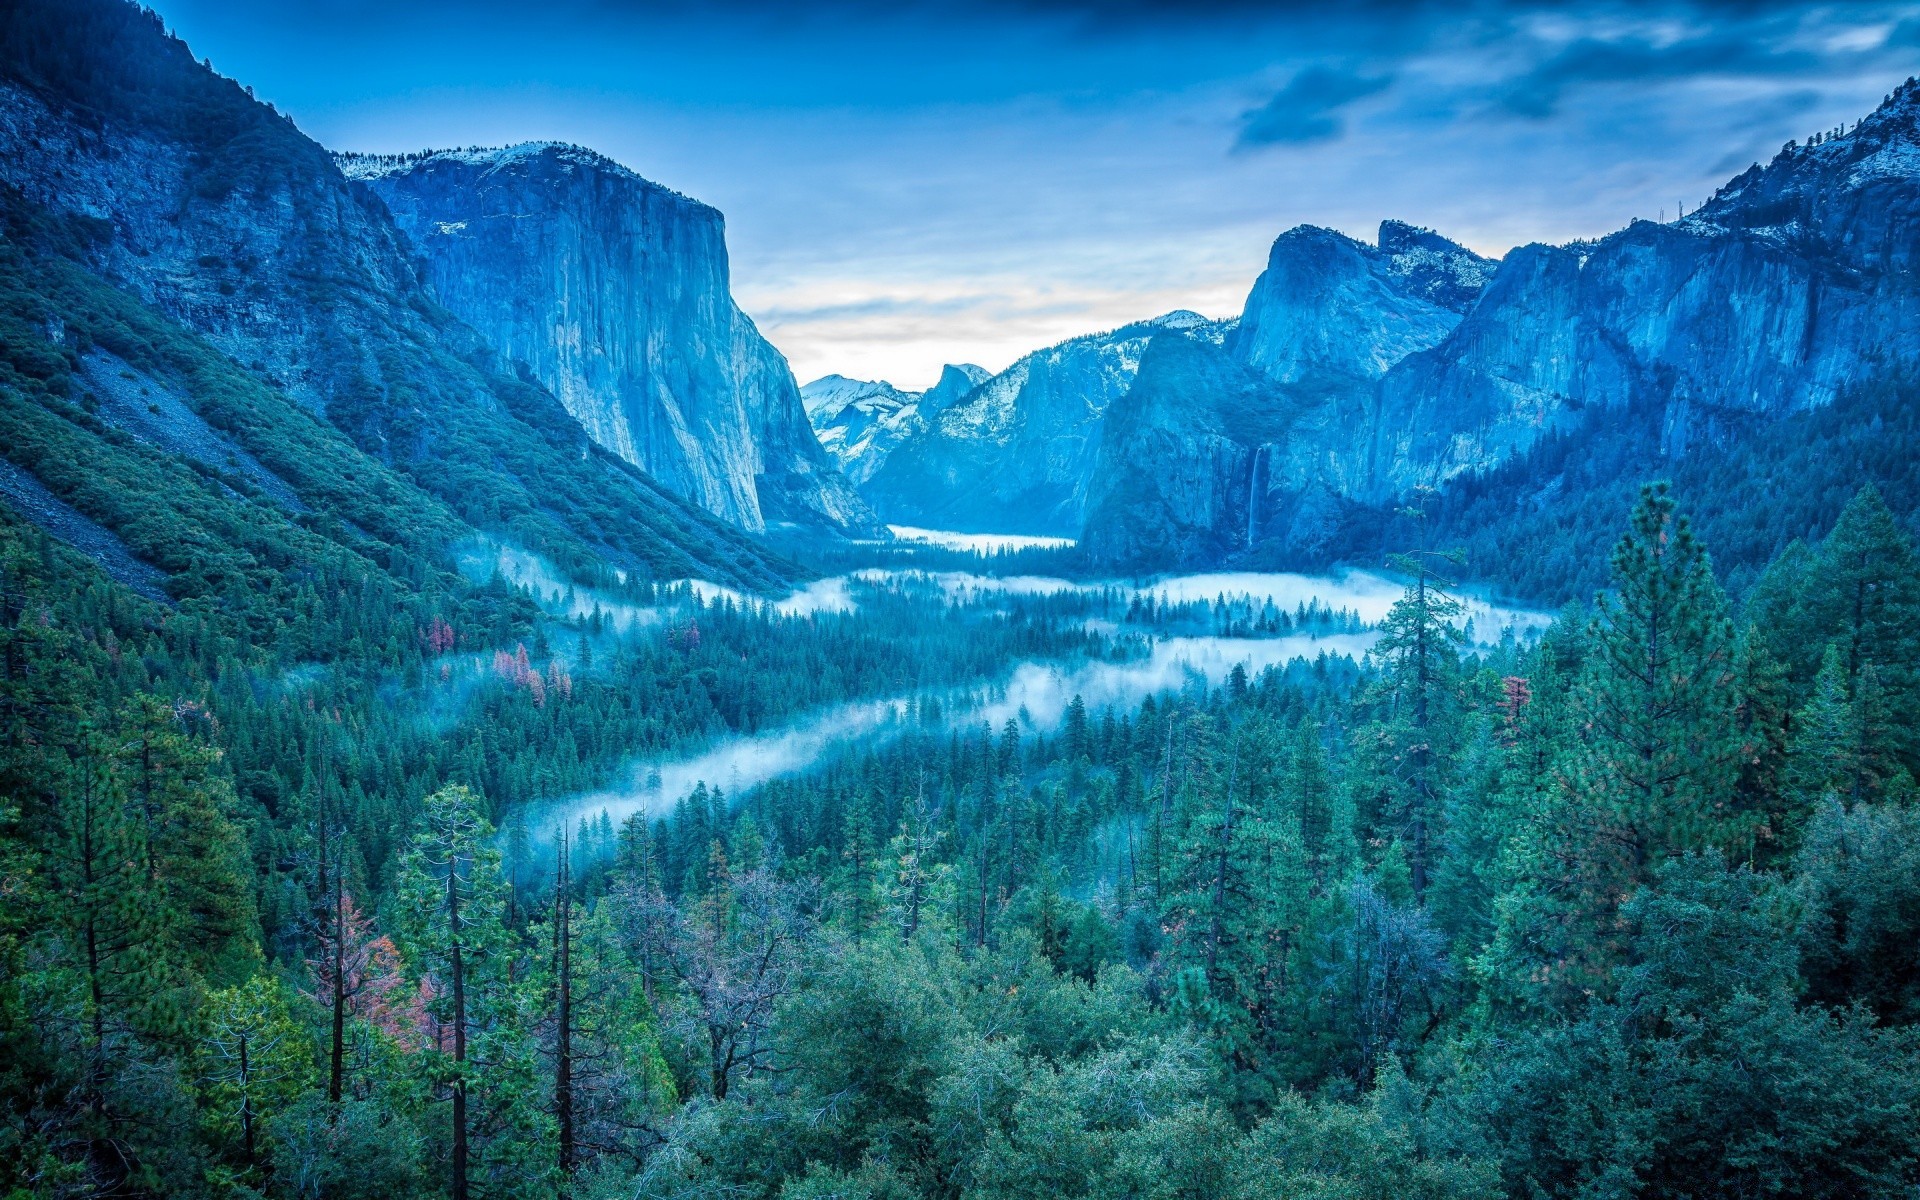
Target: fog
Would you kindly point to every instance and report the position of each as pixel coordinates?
(977, 543)
(736, 763)
(1036, 694)
(556, 596)
(821, 596)
(1363, 593)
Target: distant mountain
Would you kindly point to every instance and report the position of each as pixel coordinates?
(613, 291)
(1282, 405)
(1525, 391)
(283, 315)
(860, 422)
(1016, 453)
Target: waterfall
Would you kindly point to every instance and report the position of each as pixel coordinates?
(1256, 484)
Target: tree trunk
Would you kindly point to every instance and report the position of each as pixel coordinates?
(563, 1014)
(246, 1103)
(459, 1038)
(337, 1044)
(1422, 755)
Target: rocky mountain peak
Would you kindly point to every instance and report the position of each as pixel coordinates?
(1435, 268)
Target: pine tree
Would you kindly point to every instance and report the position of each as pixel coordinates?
(1420, 642)
(1821, 762)
(1867, 596)
(1650, 771)
(450, 899)
(1658, 754)
(193, 853)
(112, 915)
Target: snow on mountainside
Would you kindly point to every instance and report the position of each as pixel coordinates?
(1429, 266)
(825, 398)
(860, 422)
(1884, 146)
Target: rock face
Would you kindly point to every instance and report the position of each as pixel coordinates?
(215, 211)
(1330, 314)
(1017, 453)
(1795, 283)
(614, 293)
(860, 422)
(1415, 364)
(1217, 448)
(1185, 458)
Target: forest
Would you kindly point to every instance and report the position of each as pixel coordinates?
(1625, 907)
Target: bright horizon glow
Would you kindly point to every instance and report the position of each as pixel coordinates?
(923, 183)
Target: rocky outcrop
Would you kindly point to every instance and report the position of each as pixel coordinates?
(1017, 453)
(1332, 314)
(613, 291)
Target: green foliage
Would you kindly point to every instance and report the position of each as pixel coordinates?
(1431, 926)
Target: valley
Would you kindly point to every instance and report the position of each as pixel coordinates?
(473, 724)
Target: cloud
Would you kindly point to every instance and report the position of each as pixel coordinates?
(1538, 92)
(1308, 108)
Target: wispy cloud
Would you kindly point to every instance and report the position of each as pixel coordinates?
(1308, 109)
(1643, 60)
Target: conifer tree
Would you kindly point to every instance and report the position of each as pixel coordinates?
(192, 852)
(1419, 640)
(1658, 754)
(1821, 762)
(450, 901)
(1867, 596)
(112, 915)
(1650, 770)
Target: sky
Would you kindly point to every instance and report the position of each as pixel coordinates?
(908, 184)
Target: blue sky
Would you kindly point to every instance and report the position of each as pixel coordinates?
(908, 184)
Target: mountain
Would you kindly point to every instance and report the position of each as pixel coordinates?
(1521, 397)
(1035, 449)
(167, 227)
(1330, 313)
(860, 422)
(613, 291)
(1791, 286)
(1016, 454)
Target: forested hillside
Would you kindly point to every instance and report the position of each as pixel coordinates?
(1625, 911)
(196, 236)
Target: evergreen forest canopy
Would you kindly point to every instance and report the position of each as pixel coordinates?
(1625, 909)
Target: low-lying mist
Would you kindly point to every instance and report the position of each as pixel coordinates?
(1138, 661)
(1034, 694)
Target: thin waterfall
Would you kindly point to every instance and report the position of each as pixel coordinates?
(1256, 485)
